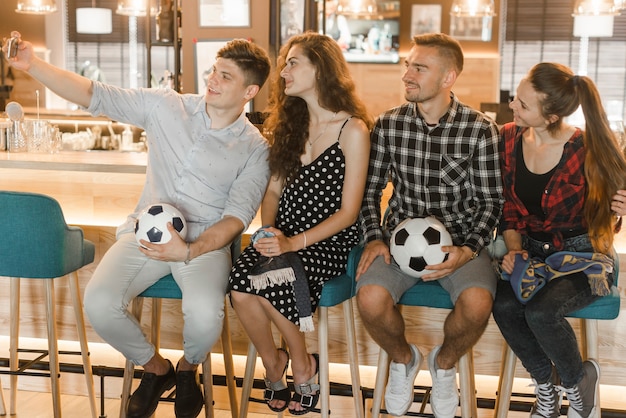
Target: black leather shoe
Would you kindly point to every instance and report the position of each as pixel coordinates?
(189, 399)
(143, 402)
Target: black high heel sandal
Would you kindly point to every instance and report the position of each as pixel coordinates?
(278, 390)
(304, 391)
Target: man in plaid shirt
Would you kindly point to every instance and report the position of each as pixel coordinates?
(442, 159)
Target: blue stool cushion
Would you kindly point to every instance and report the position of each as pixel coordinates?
(606, 307)
(429, 294)
(36, 242)
(336, 291)
(165, 288)
(341, 288)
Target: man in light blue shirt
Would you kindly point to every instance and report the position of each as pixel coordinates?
(209, 161)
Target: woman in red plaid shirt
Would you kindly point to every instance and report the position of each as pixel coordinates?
(559, 182)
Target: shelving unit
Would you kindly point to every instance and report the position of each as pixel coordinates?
(176, 44)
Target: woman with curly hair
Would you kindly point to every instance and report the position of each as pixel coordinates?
(318, 130)
(562, 194)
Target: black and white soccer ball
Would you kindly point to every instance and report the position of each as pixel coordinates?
(151, 224)
(417, 242)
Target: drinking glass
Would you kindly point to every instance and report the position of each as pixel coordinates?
(39, 133)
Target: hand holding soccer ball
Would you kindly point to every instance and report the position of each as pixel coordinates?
(151, 224)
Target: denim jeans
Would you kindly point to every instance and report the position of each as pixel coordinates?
(538, 332)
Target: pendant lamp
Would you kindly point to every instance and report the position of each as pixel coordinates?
(473, 8)
(37, 7)
(597, 7)
(94, 20)
(136, 7)
(357, 7)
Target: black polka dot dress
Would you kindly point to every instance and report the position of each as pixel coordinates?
(313, 196)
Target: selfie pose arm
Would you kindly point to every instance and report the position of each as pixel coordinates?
(67, 84)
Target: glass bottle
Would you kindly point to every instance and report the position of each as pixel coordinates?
(165, 22)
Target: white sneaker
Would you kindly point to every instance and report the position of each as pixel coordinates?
(444, 396)
(399, 392)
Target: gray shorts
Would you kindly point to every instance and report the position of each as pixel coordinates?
(475, 273)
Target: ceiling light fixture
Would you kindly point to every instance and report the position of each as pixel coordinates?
(357, 7)
(94, 20)
(36, 7)
(136, 7)
(473, 8)
(597, 7)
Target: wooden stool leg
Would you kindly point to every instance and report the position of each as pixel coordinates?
(53, 349)
(505, 384)
(207, 384)
(14, 340)
(3, 409)
(469, 408)
(248, 381)
(323, 366)
(82, 338)
(381, 381)
(129, 368)
(348, 315)
(229, 367)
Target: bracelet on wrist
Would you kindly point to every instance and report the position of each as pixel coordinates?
(188, 253)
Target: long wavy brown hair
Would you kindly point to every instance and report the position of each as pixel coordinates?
(605, 165)
(286, 127)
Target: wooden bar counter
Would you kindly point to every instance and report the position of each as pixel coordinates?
(98, 189)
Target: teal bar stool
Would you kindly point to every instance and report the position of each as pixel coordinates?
(429, 295)
(37, 244)
(605, 308)
(166, 288)
(339, 290)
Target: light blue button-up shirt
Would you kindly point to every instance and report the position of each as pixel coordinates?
(206, 173)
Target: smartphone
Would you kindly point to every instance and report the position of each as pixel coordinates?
(12, 47)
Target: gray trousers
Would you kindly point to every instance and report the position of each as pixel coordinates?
(124, 272)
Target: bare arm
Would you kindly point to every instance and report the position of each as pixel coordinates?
(66, 84)
(513, 241)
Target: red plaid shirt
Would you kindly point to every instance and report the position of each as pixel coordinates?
(563, 199)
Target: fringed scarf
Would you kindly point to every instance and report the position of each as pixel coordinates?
(530, 276)
(285, 268)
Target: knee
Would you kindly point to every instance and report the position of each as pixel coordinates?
(475, 304)
(537, 314)
(99, 306)
(372, 300)
(240, 299)
(204, 319)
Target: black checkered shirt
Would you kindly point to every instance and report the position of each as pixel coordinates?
(450, 171)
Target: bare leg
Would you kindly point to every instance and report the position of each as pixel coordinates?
(157, 365)
(185, 366)
(303, 365)
(464, 325)
(252, 315)
(384, 322)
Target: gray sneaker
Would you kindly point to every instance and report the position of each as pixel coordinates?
(399, 392)
(444, 396)
(583, 397)
(548, 398)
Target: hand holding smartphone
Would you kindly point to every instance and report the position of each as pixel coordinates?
(12, 47)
